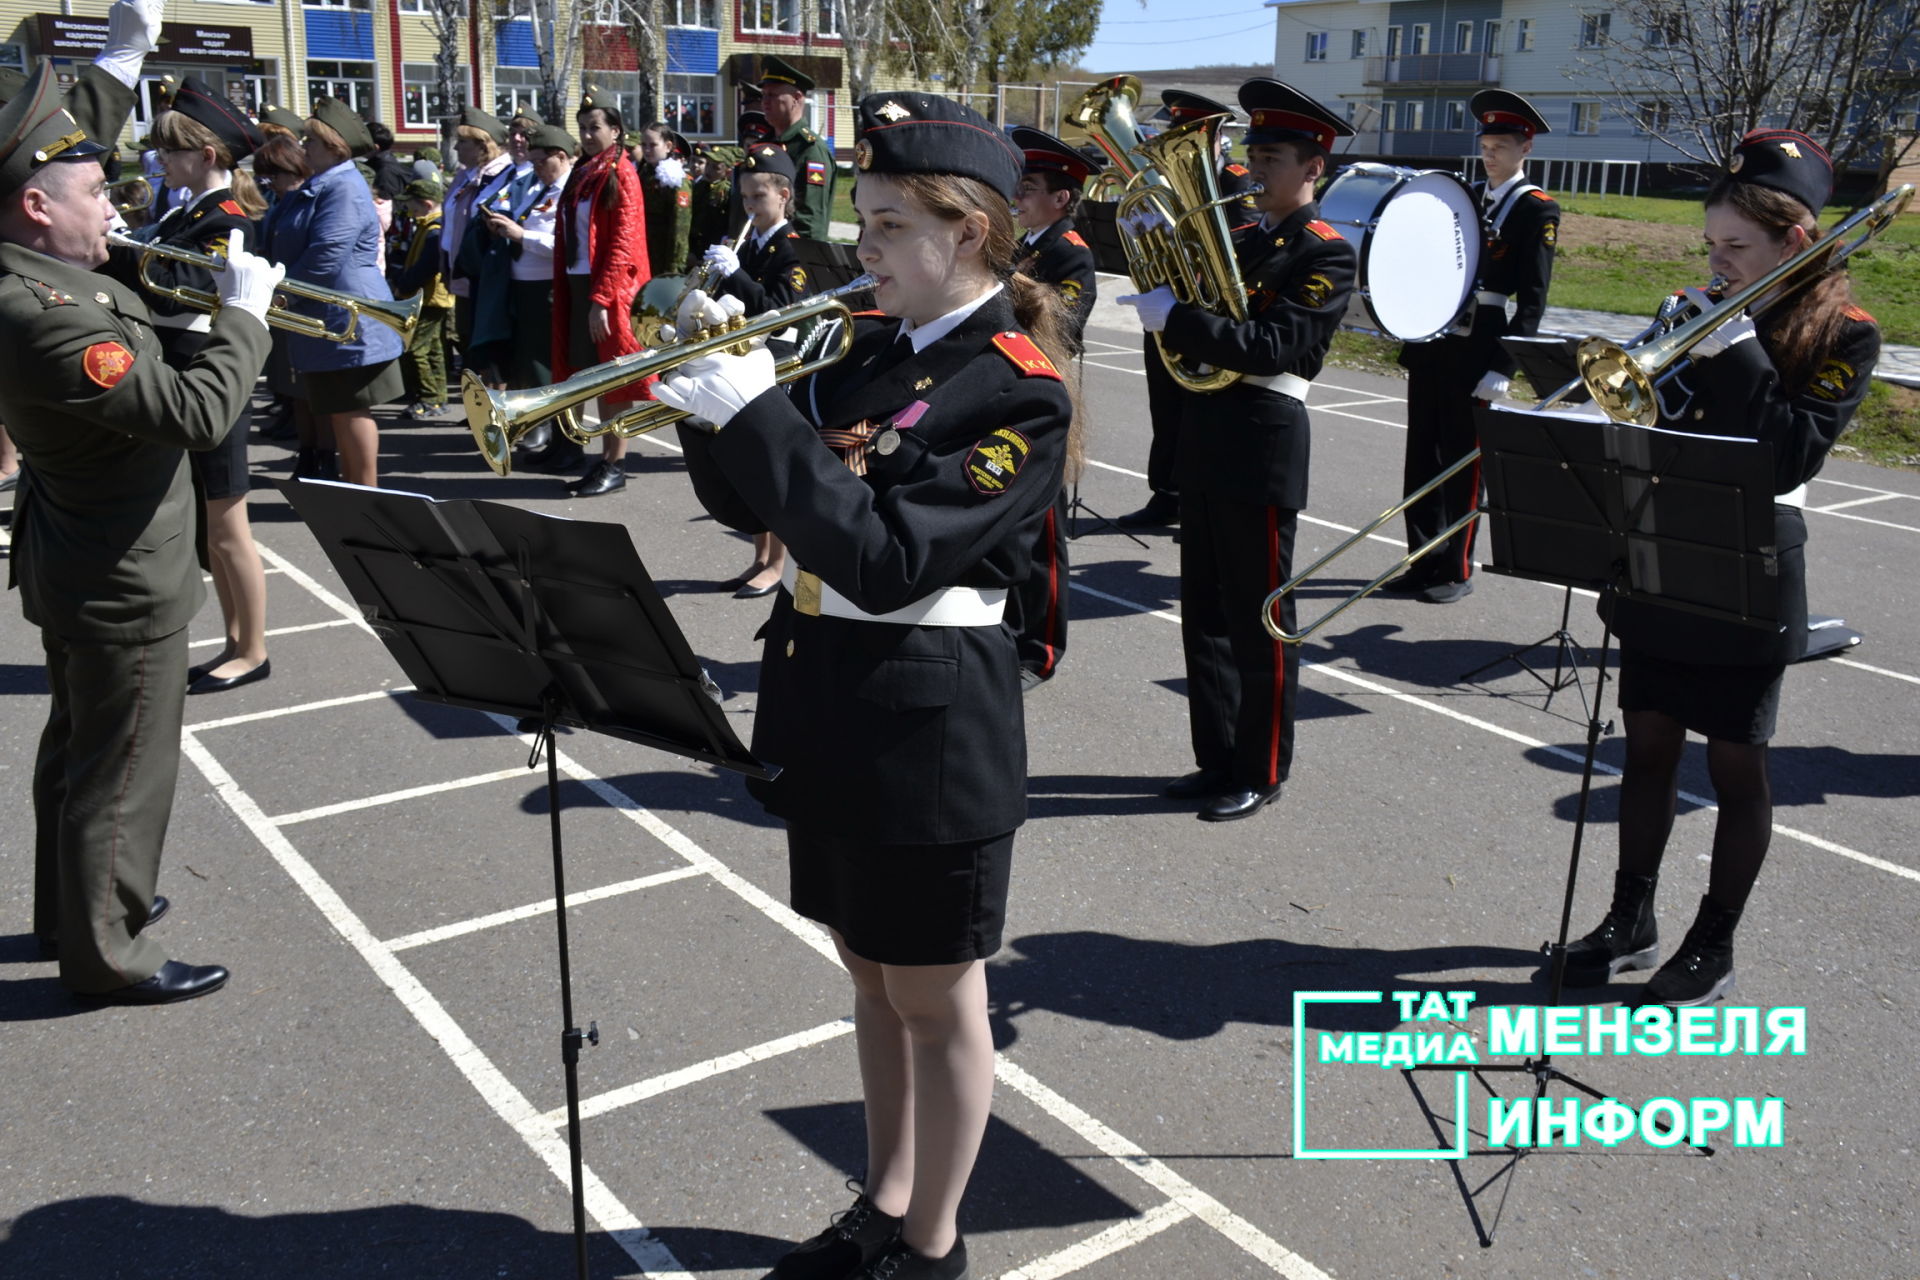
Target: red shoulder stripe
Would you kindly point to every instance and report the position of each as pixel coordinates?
(1538, 194)
(1029, 359)
(1858, 313)
(232, 207)
(1326, 231)
(1073, 237)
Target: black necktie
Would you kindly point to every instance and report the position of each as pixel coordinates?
(896, 352)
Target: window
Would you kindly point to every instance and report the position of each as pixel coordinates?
(1316, 46)
(1456, 115)
(1393, 41)
(1353, 110)
(1359, 43)
(338, 4)
(516, 91)
(263, 84)
(1653, 117)
(1586, 118)
(416, 7)
(605, 13)
(1667, 30)
(420, 99)
(692, 13)
(1413, 115)
(621, 88)
(1523, 35)
(1463, 37)
(820, 115)
(351, 82)
(1422, 37)
(1593, 29)
(1491, 43)
(692, 105)
(829, 18)
(770, 15)
(1386, 117)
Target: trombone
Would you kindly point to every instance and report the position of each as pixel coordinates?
(1621, 381)
(499, 418)
(129, 195)
(399, 316)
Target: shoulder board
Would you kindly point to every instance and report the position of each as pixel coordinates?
(793, 235)
(1857, 313)
(1538, 194)
(232, 207)
(1029, 359)
(1237, 170)
(808, 135)
(1325, 231)
(48, 295)
(1073, 237)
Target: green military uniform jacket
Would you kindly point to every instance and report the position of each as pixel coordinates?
(669, 214)
(813, 175)
(103, 532)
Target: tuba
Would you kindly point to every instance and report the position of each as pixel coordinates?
(1172, 218)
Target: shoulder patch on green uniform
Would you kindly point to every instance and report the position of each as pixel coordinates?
(1029, 359)
(106, 363)
(1325, 230)
(996, 460)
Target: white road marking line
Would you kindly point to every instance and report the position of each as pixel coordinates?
(1084, 589)
(1360, 417)
(601, 1103)
(1130, 1156)
(1108, 466)
(1853, 502)
(507, 1102)
(276, 631)
(1138, 373)
(318, 592)
(1864, 488)
(532, 909)
(1121, 1235)
(1884, 524)
(1879, 671)
(1338, 405)
(297, 708)
(395, 797)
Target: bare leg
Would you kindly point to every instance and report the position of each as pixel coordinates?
(241, 583)
(9, 456)
(1648, 789)
(886, 1080)
(944, 1010)
(359, 442)
(769, 559)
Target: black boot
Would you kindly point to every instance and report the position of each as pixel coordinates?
(1701, 971)
(1625, 940)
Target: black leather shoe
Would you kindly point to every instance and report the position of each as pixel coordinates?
(605, 477)
(50, 943)
(561, 455)
(1447, 592)
(535, 441)
(220, 684)
(199, 669)
(175, 981)
(1238, 804)
(746, 591)
(1412, 582)
(903, 1262)
(1198, 785)
(1162, 509)
(856, 1237)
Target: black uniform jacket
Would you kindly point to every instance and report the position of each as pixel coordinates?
(1250, 444)
(1516, 260)
(1738, 393)
(203, 226)
(1062, 259)
(103, 545)
(886, 732)
(769, 276)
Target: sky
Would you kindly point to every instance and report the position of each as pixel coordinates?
(1180, 33)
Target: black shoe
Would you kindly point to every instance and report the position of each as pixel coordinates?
(199, 669)
(903, 1262)
(220, 684)
(1199, 785)
(175, 981)
(1238, 804)
(50, 943)
(1162, 509)
(746, 591)
(1447, 592)
(1625, 940)
(1412, 582)
(1701, 971)
(858, 1236)
(561, 455)
(602, 477)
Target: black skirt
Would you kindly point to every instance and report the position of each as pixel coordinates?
(1715, 700)
(904, 903)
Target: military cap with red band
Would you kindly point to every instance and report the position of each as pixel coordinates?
(1786, 161)
(234, 127)
(1281, 113)
(900, 133)
(1183, 106)
(753, 126)
(1501, 111)
(35, 131)
(768, 157)
(1047, 154)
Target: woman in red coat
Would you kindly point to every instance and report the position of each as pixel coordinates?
(599, 266)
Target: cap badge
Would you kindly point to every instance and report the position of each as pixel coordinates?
(892, 112)
(1791, 149)
(863, 155)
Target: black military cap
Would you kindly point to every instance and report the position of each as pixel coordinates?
(282, 118)
(1500, 111)
(235, 129)
(346, 122)
(926, 133)
(551, 137)
(1183, 106)
(677, 143)
(1281, 113)
(1786, 161)
(35, 131)
(778, 71)
(486, 122)
(753, 127)
(768, 157)
(1047, 154)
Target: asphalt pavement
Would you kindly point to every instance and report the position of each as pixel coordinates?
(379, 1089)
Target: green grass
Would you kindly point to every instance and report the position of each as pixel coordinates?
(1886, 429)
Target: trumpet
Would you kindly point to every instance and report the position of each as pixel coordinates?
(130, 195)
(399, 316)
(499, 418)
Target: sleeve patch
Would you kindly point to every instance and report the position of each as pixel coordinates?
(1029, 359)
(683, 198)
(232, 208)
(1833, 381)
(1073, 237)
(996, 460)
(1324, 230)
(1316, 289)
(797, 277)
(1070, 290)
(106, 363)
(1550, 233)
(816, 173)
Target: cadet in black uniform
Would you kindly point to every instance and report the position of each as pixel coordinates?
(766, 273)
(1243, 456)
(1791, 376)
(751, 128)
(1447, 376)
(910, 481)
(1053, 253)
(1164, 395)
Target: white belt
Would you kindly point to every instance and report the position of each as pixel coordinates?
(1792, 498)
(1287, 384)
(198, 323)
(947, 607)
(1488, 298)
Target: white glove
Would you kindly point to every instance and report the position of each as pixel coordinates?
(717, 387)
(723, 260)
(133, 32)
(1492, 386)
(249, 280)
(1153, 307)
(700, 311)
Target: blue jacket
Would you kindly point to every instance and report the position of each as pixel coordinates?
(327, 233)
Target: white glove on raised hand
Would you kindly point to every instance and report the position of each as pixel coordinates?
(1153, 307)
(1492, 386)
(249, 280)
(699, 311)
(717, 387)
(722, 259)
(133, 32)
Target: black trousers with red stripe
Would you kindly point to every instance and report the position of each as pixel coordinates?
(1240, 680)
(1440, 431)
(1166, 401)
(1037, 609)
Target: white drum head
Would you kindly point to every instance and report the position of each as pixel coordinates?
(1419, 261)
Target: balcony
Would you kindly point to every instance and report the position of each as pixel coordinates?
(1435, 70)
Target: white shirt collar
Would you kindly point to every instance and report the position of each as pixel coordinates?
(1499, 193)
(760, 241)
(925, 335)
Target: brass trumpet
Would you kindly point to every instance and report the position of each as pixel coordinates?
(499, 418)
(399, 316)
(131, 194)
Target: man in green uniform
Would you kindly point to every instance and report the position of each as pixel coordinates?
(783, 97)
(103, 540)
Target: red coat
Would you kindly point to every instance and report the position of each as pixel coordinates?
(617, 251)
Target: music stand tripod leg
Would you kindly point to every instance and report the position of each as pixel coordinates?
(1075, 506)
(1566, 661)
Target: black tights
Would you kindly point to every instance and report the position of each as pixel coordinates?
(1648, 793)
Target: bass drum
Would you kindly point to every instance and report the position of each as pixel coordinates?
(1417, 233)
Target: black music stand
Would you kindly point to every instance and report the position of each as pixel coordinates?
(554, 622)
(1657, 517)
